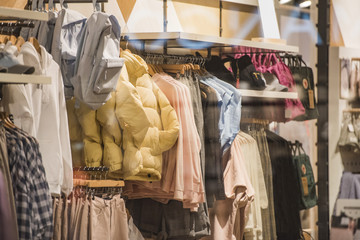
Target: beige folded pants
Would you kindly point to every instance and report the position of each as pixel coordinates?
(108, 219)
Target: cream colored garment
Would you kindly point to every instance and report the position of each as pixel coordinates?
(149, 122)
(108, 219)
(40, 110)
(253, 228)
(239, 192)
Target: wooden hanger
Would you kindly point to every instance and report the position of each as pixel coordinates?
(352, 110)
(174, 68)
(151, 70)
(255, 120)
(98, 183)
(19, 42)
(13, 39)
(36, 44)
(5, 118)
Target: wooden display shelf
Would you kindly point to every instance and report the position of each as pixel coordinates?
(268, 94)
(25, 14)
(24, 78)
(98, 183)
(199, 41)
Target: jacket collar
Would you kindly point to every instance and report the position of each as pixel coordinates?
(135, 65)
(71, 17)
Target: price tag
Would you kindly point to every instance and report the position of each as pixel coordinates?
(305, 186)
(311, 99)
(288, 113)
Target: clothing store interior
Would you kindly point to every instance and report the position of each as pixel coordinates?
(179, 120)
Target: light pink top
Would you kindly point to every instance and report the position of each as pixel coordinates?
(181, 171)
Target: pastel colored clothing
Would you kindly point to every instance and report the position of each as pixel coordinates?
(239, 192)
(181, 176)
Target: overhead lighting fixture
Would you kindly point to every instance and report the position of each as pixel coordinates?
(305, 4)
(284, 1)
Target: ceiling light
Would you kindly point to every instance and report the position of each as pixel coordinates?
(305, 4)
(284, 1)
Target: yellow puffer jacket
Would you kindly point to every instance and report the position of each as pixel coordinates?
(150, 125)
(111, 135)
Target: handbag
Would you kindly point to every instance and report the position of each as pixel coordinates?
(274, 65)
(304, 81)
(305, 176)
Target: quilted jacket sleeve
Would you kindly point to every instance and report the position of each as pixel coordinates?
(129, 109)
(111, 134)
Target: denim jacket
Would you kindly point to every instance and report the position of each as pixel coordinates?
(98, 64)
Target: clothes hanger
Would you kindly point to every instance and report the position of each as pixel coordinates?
(19, 42)
(5, 118)
(174, 68)
(12, 38)
(36, 44)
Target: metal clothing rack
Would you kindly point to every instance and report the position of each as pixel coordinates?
(94, 177)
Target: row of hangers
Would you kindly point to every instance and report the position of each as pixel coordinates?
(12, 35)
(159, 63)
(93, 181)
(7, 120)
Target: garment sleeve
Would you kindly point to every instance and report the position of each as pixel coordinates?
(67, 183)
(129, 109)
(262, 187)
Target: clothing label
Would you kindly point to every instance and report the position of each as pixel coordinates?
(287, 113)
(305, 186)
(311, 99)
(351, 128)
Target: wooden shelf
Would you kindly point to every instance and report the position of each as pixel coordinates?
(199, 41)
(25, 14)
(268, 94)
(24, 78)
(244, 2)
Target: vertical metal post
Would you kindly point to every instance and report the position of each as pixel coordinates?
(220, 22)
(322, 124)
(165, 23)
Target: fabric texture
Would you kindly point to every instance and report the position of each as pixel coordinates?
(214, 182)
(8, 226)
(181, 167)
(48, 109)
(108, 219)
(168, 221)
(97, 64)
(267, 214)
(68, 30)
(31, 190)
(230, 109)
(7, 190)
(155, 127)
(284, 181)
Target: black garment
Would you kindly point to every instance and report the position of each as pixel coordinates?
(214, 181)
(263, 108)
(168, 221)
(286, 189)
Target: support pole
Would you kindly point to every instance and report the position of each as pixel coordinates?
(322, 123)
